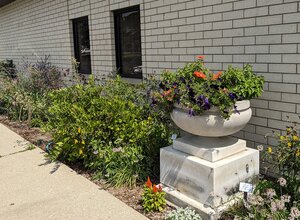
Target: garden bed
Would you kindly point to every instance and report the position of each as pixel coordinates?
(113, 132)
(130, 196)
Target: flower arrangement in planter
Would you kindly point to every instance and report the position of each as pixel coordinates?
(197, 89)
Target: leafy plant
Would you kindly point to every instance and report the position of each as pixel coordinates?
(110, 129)
(266, 203)
(23, 97)
(153, 198)
(40, 77)
(8, 68)
(285, 159)
(195, 87)
(277, 198)
(183, 214)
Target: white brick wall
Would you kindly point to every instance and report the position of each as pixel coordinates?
(264, 33)
(32, 29)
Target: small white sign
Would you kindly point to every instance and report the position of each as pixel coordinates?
(246, 187)
(174, 136)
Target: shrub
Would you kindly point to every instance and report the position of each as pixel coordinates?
(23, 97)
(40, 77)
(183, 214)
(153, 198)
(111, 129)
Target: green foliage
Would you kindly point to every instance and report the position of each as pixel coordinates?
(183, 214)
(195, 87)
(23, 97)
(18, 103)
(153, 198)
(277, 199)
(40, 77)
(286, 155)
(265, 203)
(30, 147)
(8, 68)
(111, 129)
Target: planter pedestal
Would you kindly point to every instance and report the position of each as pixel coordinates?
(203, 172)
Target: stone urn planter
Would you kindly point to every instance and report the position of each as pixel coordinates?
(211, 124)
(201, 168)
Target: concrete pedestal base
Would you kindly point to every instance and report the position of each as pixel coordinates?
(202, 183)
(208, 148)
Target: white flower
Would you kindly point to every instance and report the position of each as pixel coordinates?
(282, 181)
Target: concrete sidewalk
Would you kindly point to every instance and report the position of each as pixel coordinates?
(33, 189)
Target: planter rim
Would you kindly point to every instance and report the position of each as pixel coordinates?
(240, 106)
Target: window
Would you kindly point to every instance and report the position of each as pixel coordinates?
(82, 44)
(128, 42)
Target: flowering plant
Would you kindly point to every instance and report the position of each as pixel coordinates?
(195, 87)
(285, 160)
(286, 155)
(153, 198)
(267, 204)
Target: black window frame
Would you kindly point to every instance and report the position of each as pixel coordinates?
(118, 43)
(76, 43)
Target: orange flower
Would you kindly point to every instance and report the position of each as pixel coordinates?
(155, 189)
(170, 98)
(216, 76)
(200, 75)
(166, 93)
(148, 183)
(200, 57)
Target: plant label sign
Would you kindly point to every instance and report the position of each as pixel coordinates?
(174, 136)
(246, 187)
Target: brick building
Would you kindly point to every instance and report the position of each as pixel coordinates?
(164, 34)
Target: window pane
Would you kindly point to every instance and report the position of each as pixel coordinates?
(82, 44)
(128, 40)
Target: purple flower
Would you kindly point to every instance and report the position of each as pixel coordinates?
(206, 105)
(232, 96)
(191, 112)
(153, 102)
(182, 79)
(192, 94)
(203, 102)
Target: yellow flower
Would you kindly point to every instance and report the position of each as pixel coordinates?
(80, 152)
(282, 138)
(269, 149)
(295, 138)
(82, 142)
(75, 141)
(79, 130)
(298, 153)
(289, 144)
